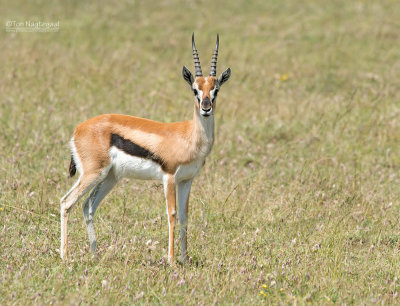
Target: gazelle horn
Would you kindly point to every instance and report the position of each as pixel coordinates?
(197, 66)
(213, 69)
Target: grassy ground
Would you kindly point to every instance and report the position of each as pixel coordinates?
(299, 200)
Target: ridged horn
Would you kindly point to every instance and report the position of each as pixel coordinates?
(213, 69)
(197, 66)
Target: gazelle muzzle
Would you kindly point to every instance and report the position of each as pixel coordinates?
(205, 107)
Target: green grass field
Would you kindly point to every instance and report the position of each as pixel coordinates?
(298, 201)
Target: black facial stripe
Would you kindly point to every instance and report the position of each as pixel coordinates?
(215, 94)
(133, 149)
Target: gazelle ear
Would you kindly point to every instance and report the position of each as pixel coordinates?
(224, 76)
(187, 76)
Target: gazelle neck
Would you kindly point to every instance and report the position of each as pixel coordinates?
(203, 132)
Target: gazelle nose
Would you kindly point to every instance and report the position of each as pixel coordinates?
(206, 104)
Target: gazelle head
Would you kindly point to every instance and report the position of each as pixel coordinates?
(205, 89)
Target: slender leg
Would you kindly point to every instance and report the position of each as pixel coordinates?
(84, 184)
(183, 206)
(87, 208)
(92, 203)
(170, 195)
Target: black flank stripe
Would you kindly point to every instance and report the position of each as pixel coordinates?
(133, 149)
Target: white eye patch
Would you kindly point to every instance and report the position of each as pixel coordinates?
(197, 92)
(214, 93)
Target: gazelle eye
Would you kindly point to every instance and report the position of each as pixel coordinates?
(195, 92)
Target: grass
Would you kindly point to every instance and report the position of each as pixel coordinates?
(299, 200)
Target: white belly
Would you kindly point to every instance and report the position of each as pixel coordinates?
(125, 165)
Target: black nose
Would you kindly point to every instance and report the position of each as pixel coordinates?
(206, 104)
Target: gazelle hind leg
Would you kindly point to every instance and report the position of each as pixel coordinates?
(66, 204)
(84, 184)
(92, 203)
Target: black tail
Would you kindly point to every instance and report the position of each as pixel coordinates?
(72, 167)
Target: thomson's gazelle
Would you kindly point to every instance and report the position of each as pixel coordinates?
(109, 147)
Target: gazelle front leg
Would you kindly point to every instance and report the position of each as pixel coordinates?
(170, 196)
(183, 206)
